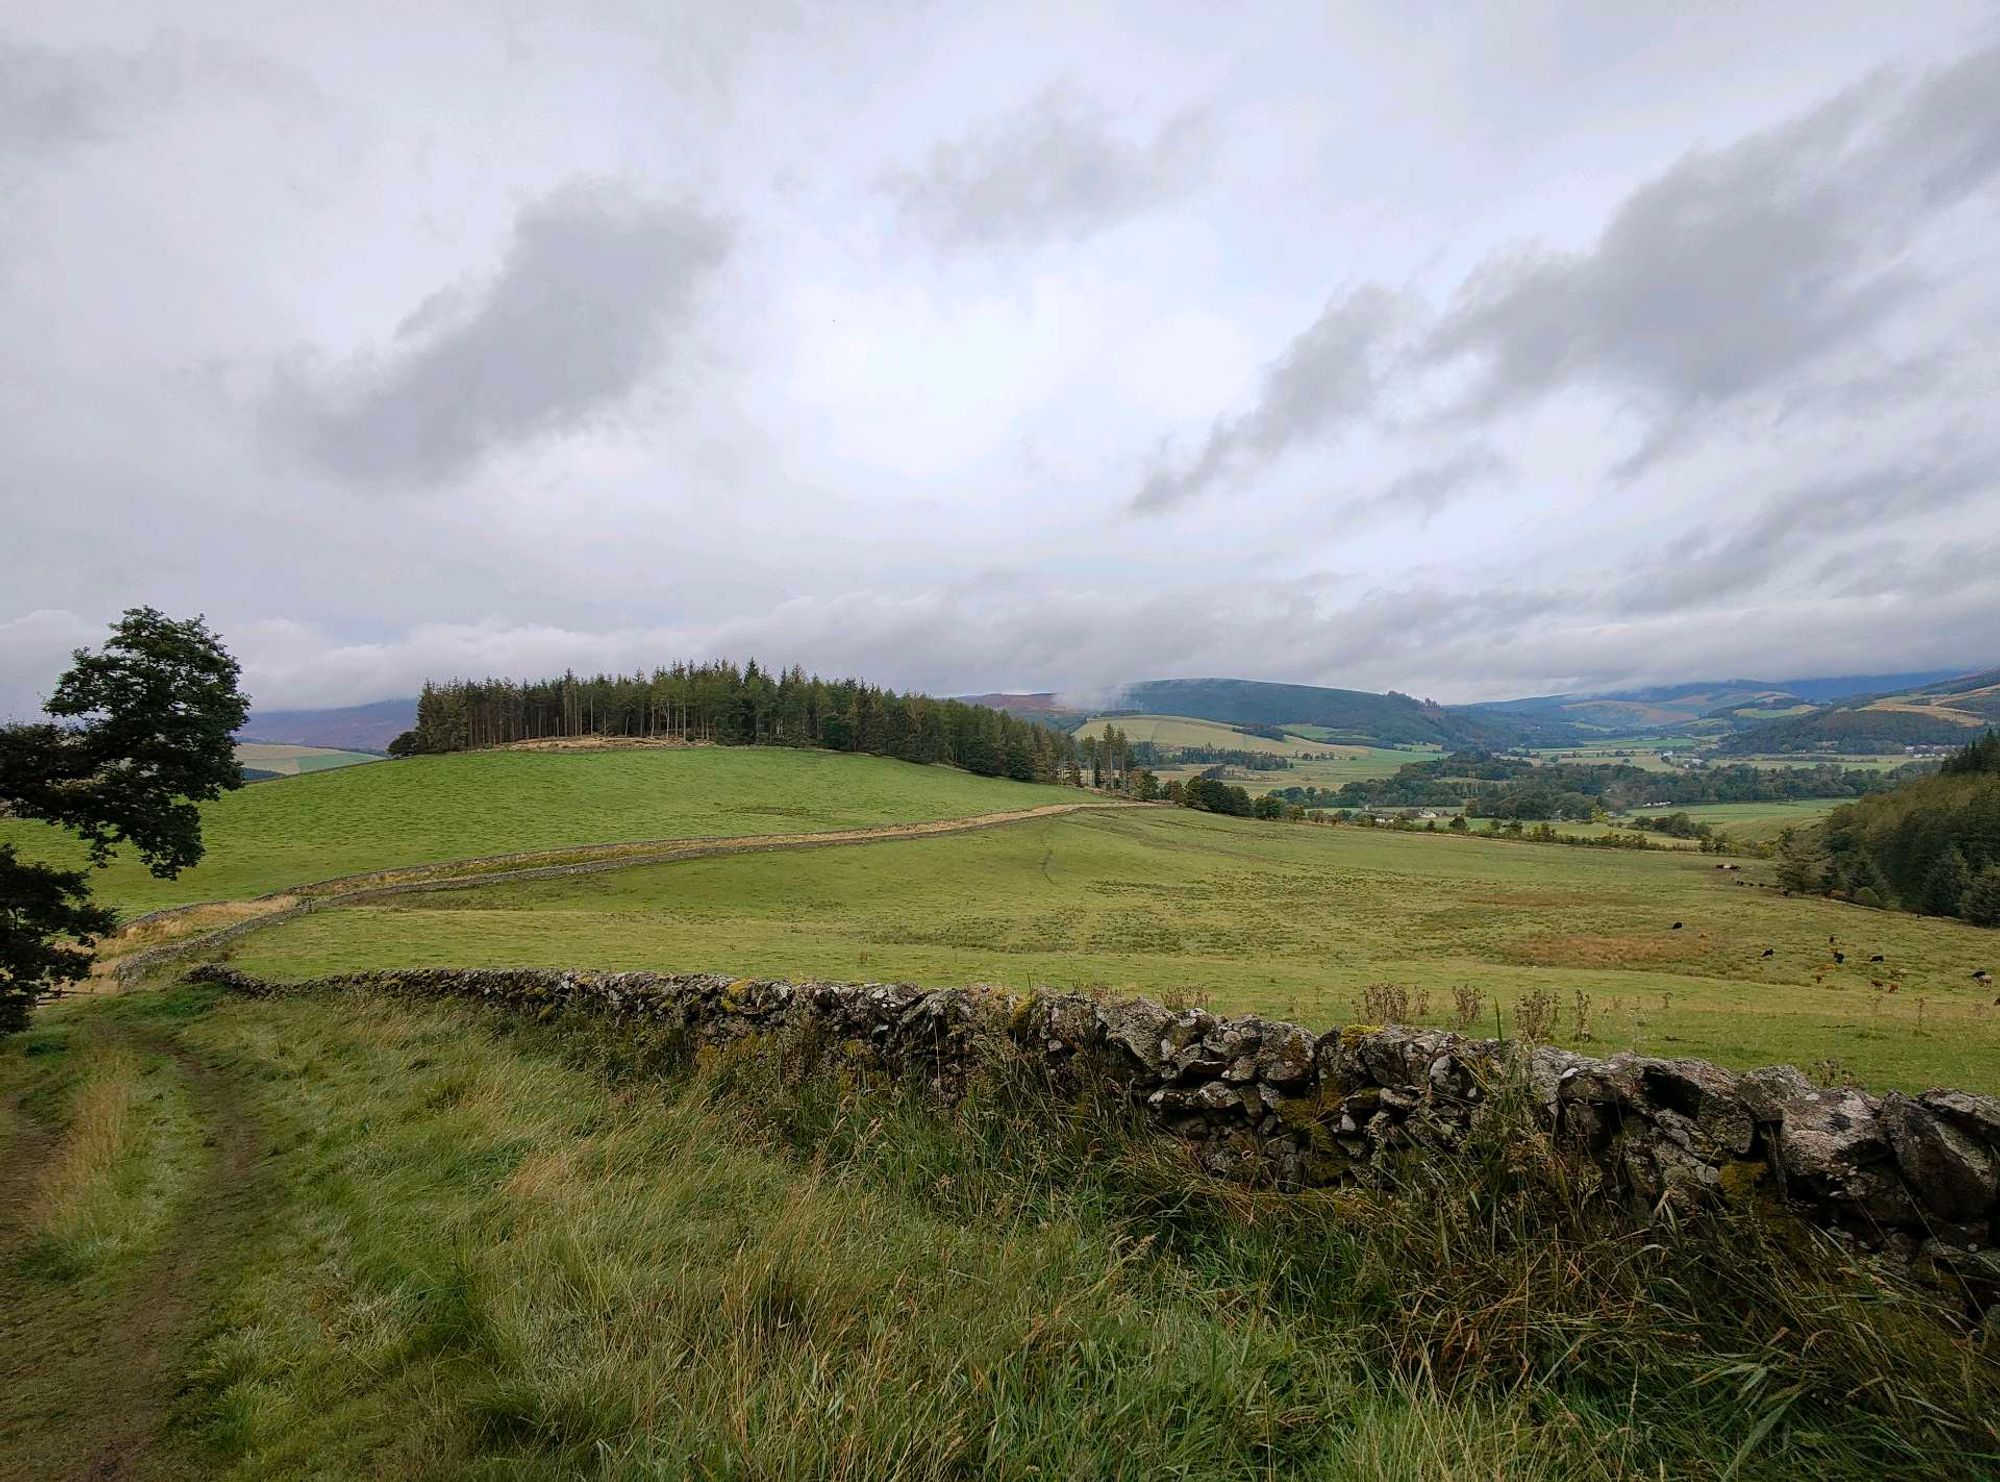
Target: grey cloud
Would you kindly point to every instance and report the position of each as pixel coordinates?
(1429, 487)
(53, 98)
(1055, 170)
(1704, 568)
(1739, 266)
(584, 307)
(1327, 380)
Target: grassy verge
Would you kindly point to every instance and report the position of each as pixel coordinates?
(508, 1249)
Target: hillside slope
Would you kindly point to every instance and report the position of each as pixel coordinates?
(428, 809)
(1948, 713)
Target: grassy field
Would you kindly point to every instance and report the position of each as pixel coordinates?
(1334, 767)
(427, 809)
(403, 1240)
(290, 761)
(1290, 919)
(1756, 822)
(1181, 730)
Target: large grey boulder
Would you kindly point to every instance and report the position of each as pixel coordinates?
(1950, 1174)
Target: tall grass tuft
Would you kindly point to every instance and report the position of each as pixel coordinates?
(103, 1195)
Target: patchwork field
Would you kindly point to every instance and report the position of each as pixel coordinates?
(290, 761)
(1754, 823)
(1181, 730)
(427, 809)
(1294, 920)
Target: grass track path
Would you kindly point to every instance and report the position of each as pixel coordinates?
(464, 874)
(89, 1376)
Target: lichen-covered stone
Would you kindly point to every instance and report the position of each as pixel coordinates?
(1957, 1177)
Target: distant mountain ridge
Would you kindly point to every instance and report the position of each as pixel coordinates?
(368, 727)
(1929, 712)
(1713, 706)
(1358, 716)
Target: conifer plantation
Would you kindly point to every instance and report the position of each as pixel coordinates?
(719, 704)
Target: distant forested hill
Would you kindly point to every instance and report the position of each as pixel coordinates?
(1710, 706)
(1937, 713)
(352, 728)
(1345, 715)
(1930, 845)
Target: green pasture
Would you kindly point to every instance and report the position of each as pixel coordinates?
(1754, 823)
(1878, 761)
(424, 810)
(291, 761)
(1291, 919)
(1181, 730)
(1352, 764)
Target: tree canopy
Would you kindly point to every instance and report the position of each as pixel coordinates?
(142, 732)
(721, 704)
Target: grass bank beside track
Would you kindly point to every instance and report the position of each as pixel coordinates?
(468, 1245)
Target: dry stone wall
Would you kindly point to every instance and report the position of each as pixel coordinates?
(1261, 1100)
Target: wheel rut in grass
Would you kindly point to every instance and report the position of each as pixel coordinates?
(468, 874)
(89, 1368)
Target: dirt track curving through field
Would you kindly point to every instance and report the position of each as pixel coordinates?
(190, 930)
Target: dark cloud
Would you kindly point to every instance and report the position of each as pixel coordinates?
(1738, 267)
(584, 307)
(1327, 380)
(1055, 170)
(54, 98)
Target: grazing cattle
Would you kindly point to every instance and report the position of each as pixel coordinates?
(1839, 958)
(1874, 982)
(1677, 926)
(1876, 958)
(1982, 976)
(1770, 951)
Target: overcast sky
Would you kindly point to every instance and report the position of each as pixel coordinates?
(971, 347)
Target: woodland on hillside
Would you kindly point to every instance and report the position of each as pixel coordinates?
(722, 705)
(1931, 845)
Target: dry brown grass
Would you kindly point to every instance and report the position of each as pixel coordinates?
(1588, 949)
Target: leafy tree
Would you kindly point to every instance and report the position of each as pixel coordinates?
(1946, 884)
(1981, 902)
(1801, 868)
(143, 733)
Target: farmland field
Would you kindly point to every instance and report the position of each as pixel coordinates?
(1181, 730)
(291, 761)
(1753, 822)
(427, 809)
(1333, 767)
(1286, 919)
